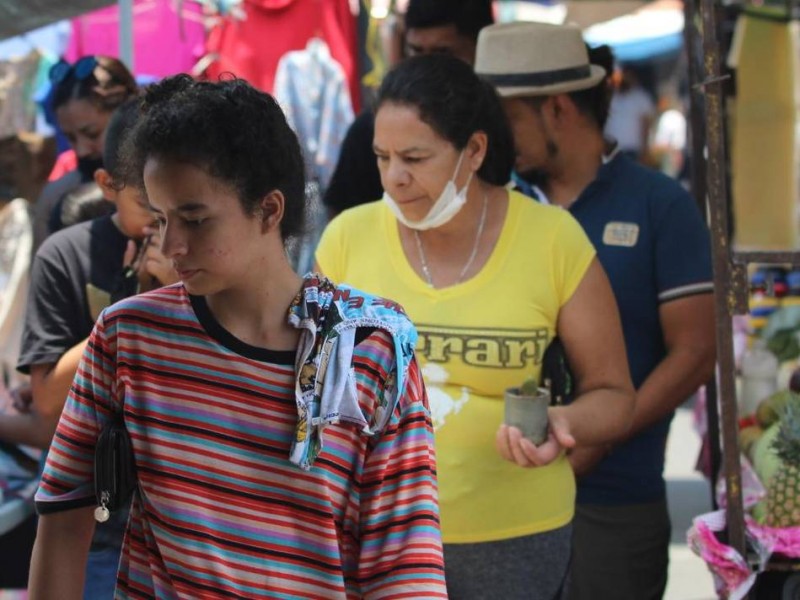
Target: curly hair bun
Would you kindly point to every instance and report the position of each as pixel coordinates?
(167, 89)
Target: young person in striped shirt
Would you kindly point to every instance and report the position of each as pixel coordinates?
(280, 428)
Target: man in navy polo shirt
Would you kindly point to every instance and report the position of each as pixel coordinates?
(653, 243)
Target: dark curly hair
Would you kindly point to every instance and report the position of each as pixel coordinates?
(107, 86)
(234, 131)
(456, 103)
(595, 102)
(468, 16)
(119, 127)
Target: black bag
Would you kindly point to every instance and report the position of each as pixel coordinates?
(114, 468)
(556, 373)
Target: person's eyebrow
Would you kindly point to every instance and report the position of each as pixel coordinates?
(183, 208)
(432, 49)
(378, 150)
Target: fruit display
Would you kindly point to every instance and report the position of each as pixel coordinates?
(783, 489)
(770, 439)
(748, 436)
(770, 409)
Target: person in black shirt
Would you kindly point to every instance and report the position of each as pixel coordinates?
(431, 26)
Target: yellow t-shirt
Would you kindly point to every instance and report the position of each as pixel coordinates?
(476, 339)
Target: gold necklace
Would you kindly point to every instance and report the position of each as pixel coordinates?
(426, 270)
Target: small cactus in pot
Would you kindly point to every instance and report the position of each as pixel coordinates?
(526, 409)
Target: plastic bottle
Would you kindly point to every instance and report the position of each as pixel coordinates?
(759, 368)
(792, 297)
(762, 302)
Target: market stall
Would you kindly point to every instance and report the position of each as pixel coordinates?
(752, 558)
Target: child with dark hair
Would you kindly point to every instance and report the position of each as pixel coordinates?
(76, 273)
(279, 427)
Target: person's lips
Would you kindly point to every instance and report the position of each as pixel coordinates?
(414, 200)
(185, 274)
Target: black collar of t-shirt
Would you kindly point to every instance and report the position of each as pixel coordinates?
(216, 331)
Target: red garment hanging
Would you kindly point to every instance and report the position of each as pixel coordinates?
(251, 49)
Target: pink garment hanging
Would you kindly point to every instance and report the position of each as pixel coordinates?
(164, 44)
(251, 48)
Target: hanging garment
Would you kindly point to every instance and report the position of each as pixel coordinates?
(16, 238)
(766, 141)
(166, 42)
(17, 82)
(311, 87)
(251, 48)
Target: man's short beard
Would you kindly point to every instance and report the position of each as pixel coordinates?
(536, 177)
(540, 176)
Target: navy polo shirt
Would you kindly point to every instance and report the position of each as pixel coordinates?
(654, 245)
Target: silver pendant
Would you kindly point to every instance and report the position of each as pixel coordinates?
(101, 514)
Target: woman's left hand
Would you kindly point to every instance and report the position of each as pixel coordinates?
(517, 449)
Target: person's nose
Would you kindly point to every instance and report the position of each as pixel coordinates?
(397, 175)
(173, 242)
(84, 148)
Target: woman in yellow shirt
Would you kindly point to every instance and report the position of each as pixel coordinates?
(489, 277)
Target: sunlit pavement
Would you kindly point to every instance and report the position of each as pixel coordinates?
(689, 495)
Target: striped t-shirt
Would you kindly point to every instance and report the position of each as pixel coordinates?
(220, 510)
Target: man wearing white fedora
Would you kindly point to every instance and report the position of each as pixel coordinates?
(652, 242)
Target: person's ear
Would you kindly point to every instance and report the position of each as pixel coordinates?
(563, 109)
(106, 184)
(476, 149)
(271, 209)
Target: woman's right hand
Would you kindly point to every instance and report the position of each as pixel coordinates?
(517, 449)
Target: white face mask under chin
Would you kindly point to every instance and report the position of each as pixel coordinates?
(446, 207)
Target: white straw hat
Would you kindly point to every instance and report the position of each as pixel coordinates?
(535, 59)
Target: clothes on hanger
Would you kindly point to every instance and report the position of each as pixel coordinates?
(312, 89)
(252, 48)
(169, 37)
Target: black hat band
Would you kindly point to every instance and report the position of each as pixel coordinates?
(538, 79)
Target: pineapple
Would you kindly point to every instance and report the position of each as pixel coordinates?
(783, 491)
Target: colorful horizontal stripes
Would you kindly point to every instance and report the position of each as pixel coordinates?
(221, 511)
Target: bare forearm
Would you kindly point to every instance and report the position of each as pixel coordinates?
(675, 379)
(50, 383)
(29, 429)
(599, 416)
(58, 563)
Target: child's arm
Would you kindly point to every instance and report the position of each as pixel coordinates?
(400, 540)
(59, 556)
(49, 388)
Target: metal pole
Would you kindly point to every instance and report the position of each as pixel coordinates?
(697, 168)
(126, 33)
(724, 296)
(692, 43)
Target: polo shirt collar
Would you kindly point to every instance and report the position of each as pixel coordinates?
(604, 175)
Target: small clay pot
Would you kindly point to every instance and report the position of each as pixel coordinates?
(528, 413)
